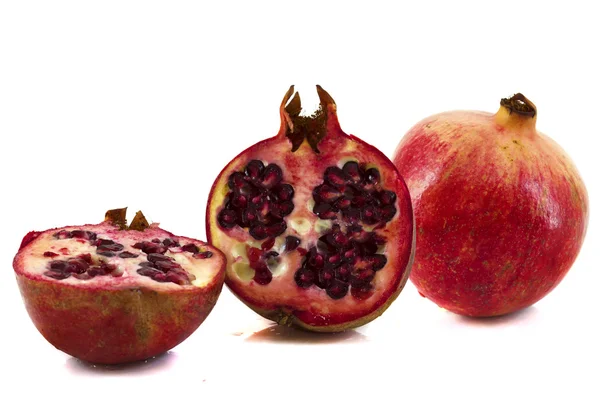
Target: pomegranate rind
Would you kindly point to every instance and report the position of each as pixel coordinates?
(115, 320)
(501, 210)
(291, 309)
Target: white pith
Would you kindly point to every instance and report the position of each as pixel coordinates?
(34, 263)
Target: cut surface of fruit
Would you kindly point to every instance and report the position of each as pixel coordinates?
(108, 293)
(316, 224)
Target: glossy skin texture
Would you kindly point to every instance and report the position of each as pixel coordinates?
(501, 210)
(120, 320)
(282, 300)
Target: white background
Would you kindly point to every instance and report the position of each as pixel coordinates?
(140, 104)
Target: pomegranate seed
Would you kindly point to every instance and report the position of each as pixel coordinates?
(79, 234)
(50, 254)
(203, 255)
(284, 192)
(388, 212)
(361, 277)
(267, 244)
(324, 211)
(263, 276)
(259, 232)
(304, 278)
(276, 229)
(190, 247)
(387, 197)
(166, 265)
(326, 193)
(127, 255)
(372, 176)
(254, 169)
(236, 181)
(291, 243)
(160, 277)
(63, 234)
(145, 271)
(378, 261)
(106, 254)
(353, 172)
(154, 257)
(249, 216)
(351, 215)
(86, 257)
(108, 267)
(56, 275)
(316, 261)
(170, 243)
(282, 209)
(177, 278)
(227, 218)
(271, 176)
(334, 260)
(370, 215)
(337, 289)
(335, 176)
(76, 266)
(342, 273)
(58, 265)
(254, 254)
(326, 278)
(113, 247)
(342, 203)
(239, 201)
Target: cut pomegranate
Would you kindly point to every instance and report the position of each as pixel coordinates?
(317, 225)
(108, 293)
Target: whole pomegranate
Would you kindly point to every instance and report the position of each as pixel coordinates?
(501, 210)
(316, 225)
(111, 293)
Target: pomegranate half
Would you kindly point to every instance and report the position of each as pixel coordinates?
(110, 293)
(317, 225)
(501, 209)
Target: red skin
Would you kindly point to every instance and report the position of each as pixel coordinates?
(501, 210)
(120, 326)
(113, 325)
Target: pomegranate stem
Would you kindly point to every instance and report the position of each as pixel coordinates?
(311, 128)
(519, 104)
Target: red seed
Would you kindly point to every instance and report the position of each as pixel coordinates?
(338, 289)
(50, 254)
(304, 278)
(268, 244)
(291, 243)
(271, 176)
(335, 176)
(254, 169)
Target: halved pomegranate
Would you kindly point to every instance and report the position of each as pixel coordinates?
(317, 225)
(109, 294)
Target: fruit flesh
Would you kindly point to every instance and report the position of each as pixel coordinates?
(282, 298)
(33, 260)
(122, 316)
(501, 210)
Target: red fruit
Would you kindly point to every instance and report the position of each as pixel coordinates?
(316, 224)
(501, 210)
(109, 293)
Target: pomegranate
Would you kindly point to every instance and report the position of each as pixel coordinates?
(111, 293)
(501, 209)
(317, 225)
